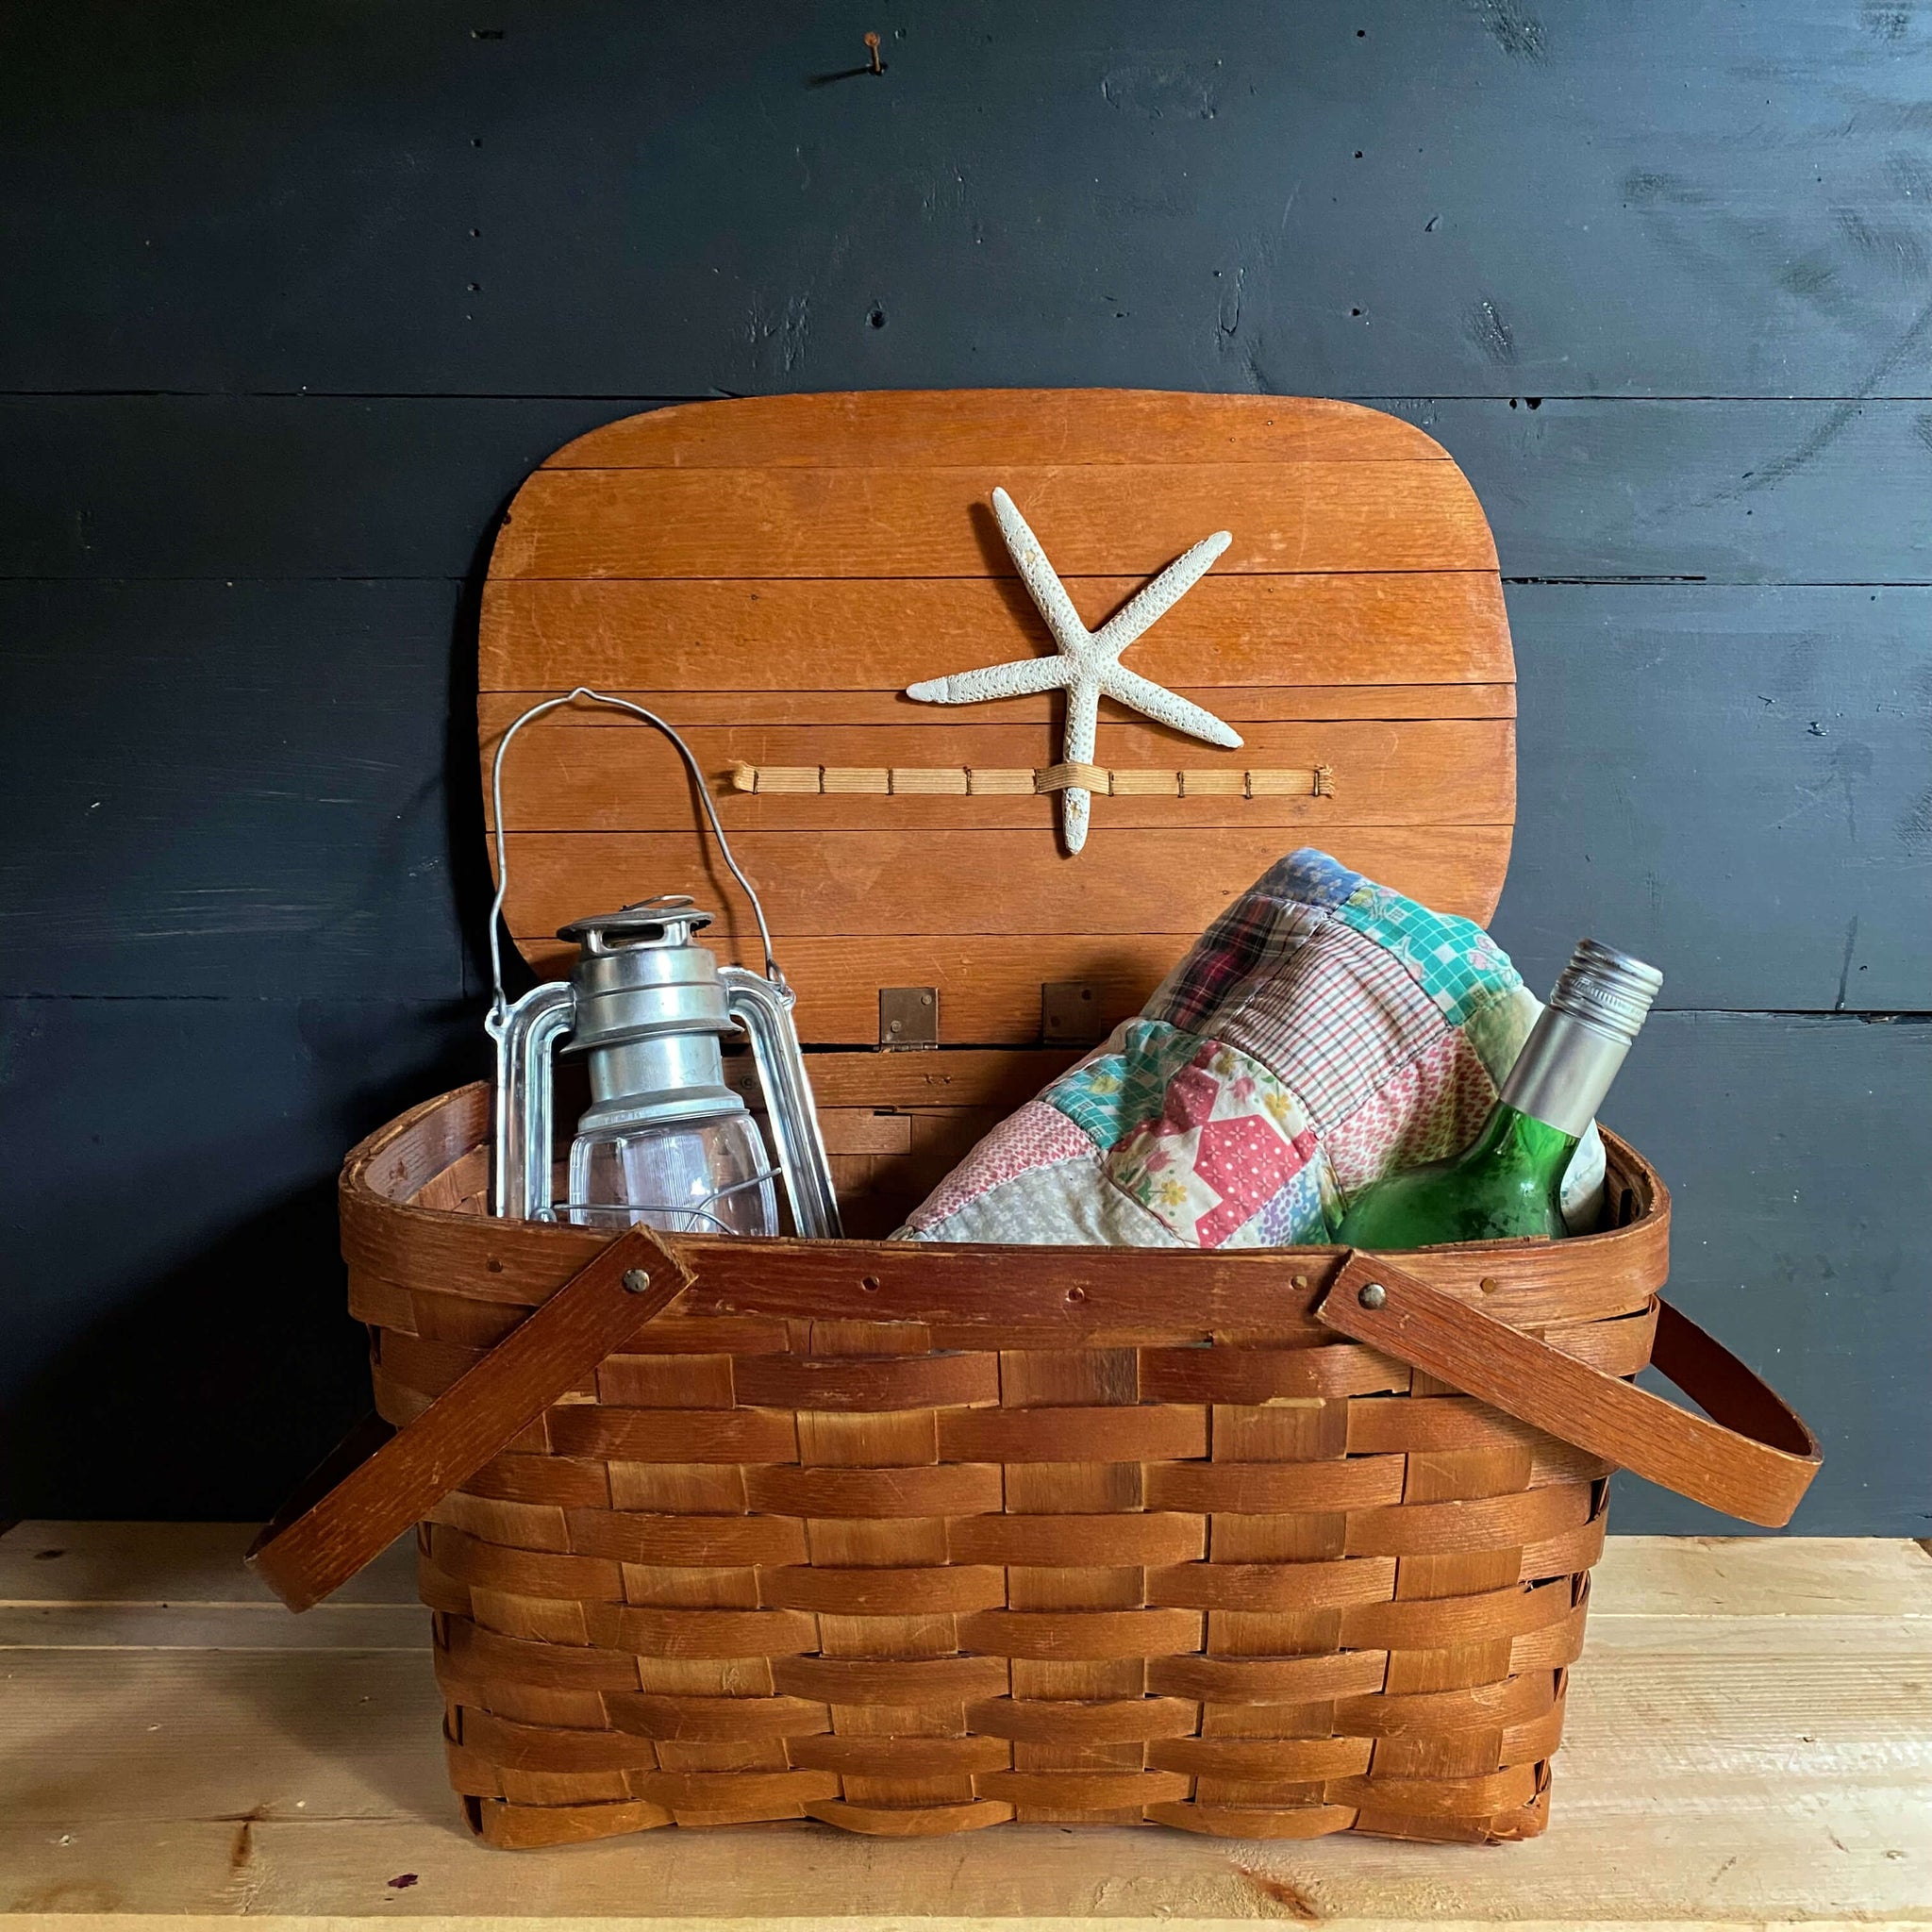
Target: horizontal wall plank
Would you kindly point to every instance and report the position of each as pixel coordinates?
(939, 522)
(1365, 198)
(145, 1374)
(177, 1336)
(265, 486)
(1664, 802)
(1735, 785)
(214, 789)
(1735, 493)
(1783, 1142)
(103, 901)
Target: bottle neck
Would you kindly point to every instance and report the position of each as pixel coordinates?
(1562, 1074)
(1518, 1140)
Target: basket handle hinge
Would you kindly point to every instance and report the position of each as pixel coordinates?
(1754, 1458)
(358, 1501)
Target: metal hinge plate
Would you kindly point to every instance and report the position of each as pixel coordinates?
(1070, 1014)
(908, 1016)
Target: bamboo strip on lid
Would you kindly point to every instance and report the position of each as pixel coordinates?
(964, 781)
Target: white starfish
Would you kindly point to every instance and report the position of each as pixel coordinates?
(1087, 664)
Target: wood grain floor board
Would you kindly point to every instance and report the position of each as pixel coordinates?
(1749, 1744)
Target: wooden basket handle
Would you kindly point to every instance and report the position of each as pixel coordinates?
(1755, 1458)
(356, 1504)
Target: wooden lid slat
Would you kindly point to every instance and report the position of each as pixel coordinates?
(922, 521)
(865, 427)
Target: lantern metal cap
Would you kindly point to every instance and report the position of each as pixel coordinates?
(669, 918)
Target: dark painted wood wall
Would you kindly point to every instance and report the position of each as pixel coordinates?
(295, 296)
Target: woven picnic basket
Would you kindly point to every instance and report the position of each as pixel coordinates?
(916, 1539)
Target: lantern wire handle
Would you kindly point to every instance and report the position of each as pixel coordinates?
(499, 1006)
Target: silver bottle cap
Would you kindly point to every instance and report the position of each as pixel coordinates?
(1572, 1052)
(1607, 989)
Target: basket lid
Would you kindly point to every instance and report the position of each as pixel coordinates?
(770, 573)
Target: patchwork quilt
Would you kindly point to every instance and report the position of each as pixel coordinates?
(1324, 1032)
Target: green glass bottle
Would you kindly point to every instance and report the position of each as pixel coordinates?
(1508, 1185)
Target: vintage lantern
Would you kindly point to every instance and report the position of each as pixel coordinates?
(665, 1141)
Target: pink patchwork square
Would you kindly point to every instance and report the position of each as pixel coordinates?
(1033, 1137)
(1227, 1139)
(1247, 1162)
(1432, 1108)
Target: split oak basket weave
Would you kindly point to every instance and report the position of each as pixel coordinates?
(917, 1538)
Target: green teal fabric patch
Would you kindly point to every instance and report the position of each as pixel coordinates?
(1454, 961)
(1108, 1097)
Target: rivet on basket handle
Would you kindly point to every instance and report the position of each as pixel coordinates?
(313, 1547)
(1755, 1458)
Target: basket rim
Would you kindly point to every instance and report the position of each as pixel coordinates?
(387, 1233)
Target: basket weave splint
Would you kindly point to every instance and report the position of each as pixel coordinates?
(916, 1539)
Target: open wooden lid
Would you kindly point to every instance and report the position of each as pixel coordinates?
(768, 574)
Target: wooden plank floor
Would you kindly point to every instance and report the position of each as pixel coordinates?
(1750, 1744)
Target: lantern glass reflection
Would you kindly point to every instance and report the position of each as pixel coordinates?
(696, 1178)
